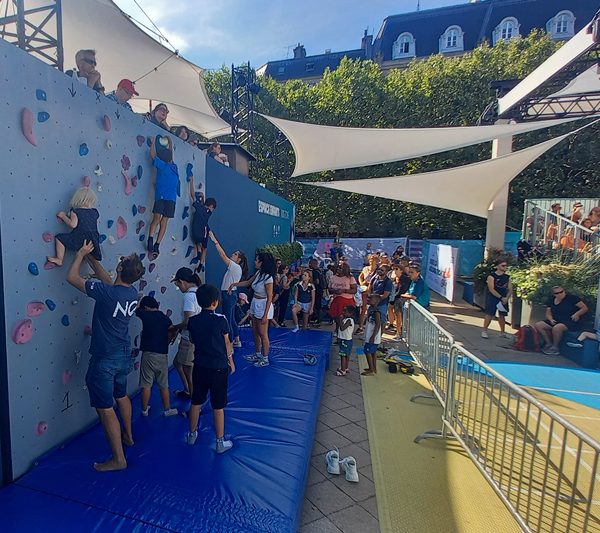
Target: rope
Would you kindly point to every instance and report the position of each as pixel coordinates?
(155, 69)
(152, 22)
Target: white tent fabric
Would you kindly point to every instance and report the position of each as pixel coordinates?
(587, 82)
(319, 148)
(467, 189)
(125, 51)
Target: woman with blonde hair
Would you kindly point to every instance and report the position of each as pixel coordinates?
(83, 220)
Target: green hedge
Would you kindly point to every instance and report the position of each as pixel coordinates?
(288, 252)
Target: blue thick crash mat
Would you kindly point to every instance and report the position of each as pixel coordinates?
(258, 486)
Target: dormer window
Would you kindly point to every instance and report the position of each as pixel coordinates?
(452, 40)
(561, 26)
(310, 67)
(404, 46)
(505, 31)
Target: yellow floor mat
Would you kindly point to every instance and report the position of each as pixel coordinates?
(429, 487)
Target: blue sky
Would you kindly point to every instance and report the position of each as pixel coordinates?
(234, 31)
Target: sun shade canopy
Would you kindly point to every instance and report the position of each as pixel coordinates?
(319, 148)
(126, 51)
(468, 189)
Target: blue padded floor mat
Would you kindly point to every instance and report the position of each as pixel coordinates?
(169, 486)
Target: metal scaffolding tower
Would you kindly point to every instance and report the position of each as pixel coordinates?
(35, 28)
(243, 90)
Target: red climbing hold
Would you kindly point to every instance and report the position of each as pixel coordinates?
(48, 265)
(128, 184)
(23, 331)
(66, 376)
(85, 181)
(87, 331)
(140, 140)
(35, 308)
(141, 209)
(151, 267)
(47, 236)
(27, 121)
(139, 226)
(41, 428)
(121, 228)
(106, 123)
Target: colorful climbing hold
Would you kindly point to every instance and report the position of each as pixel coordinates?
(121, 228)
(141, 209)
(151, 267)
(128, 189)
(98, 170)
(140, 171)
(22, 331)
(33, 269)
(66, 376)
(35, 308)
(87, 331)
(106, 123)
(108, 144)
(152, 294)
(179, 188)
(50, 304)
(189, 251)
(143, 284)
(99, 186)
(142, 256)
(85, 181)
(174, 251)
(189, 171)
(40, 94)
(125, 163)
(148, 141)
(134, 209)
(75, 301)
(65, 320)
(83, 149)
(139, 226)
(185, 233)
(43, 116)
(142, 237)
(140, 140)
(110, 223)
(186, 212)
(49, 265)
(134, 181)
(47, 236)
(102, 238)
(111, 239)
(27, 126)
(41, 428)
(169, 312)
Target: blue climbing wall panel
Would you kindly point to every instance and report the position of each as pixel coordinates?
(76, 134)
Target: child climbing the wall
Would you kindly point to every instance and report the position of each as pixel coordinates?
(83, 220)
(155, 349)
(165, 195)
(202, 211)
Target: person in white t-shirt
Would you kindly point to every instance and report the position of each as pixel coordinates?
(344, 335)
(187, 282)
(237, 270)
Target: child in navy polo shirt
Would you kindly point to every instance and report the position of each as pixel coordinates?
(213, 357)
(165, 194)
(203, 209)
(155, 353)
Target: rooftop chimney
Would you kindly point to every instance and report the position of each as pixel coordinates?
(366, 44)
(299, 52)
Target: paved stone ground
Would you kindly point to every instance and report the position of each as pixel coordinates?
(331, 503)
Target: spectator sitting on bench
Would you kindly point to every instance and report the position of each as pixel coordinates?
(563, 311)
(584, 336)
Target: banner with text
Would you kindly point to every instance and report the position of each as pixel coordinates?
(441, 269)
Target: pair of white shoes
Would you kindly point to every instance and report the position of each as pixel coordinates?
(333, 461)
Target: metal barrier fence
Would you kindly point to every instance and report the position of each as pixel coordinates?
(543, 468)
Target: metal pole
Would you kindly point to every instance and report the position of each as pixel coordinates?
(60, 53)
(21, 37)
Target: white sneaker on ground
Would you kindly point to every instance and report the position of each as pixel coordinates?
(190, 437)
(237, 344)
(332, 460)
(170, 412)
(575, 344)
(224, 445)
(349, 466)
(252, 357)
(262, 361)
(484, 335)
(146, 412)
(296, 329)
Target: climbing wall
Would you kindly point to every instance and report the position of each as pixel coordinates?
(56, 137)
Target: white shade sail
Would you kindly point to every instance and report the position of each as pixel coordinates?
(319, 148)
(468, 189)
(125, 51)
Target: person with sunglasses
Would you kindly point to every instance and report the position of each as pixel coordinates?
(158, 116)
(86, 72)
(497, 295)
(563, 313)
(125, 92)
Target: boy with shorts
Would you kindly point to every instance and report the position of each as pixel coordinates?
(202, 211)
(165, 195)
(344, 335)
(155, 349)
(372, 334)
(213, 358)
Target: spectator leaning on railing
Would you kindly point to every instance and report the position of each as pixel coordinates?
(86, 72)
(158, 116)
(124, 92)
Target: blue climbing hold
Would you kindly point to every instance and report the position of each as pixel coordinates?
(50, 304)
(40, 94)
(189, 251)
(189, 171)
(142, 237)
(140, 171)
(65, 320)
(186, 212)
(185, 232)
(134, 209)
(83, 149)
(33, 269)
(148, 141)
(178, 189)
(102, 238)
(110, 223)
(43, 116)
(142, 257)
(152, 294)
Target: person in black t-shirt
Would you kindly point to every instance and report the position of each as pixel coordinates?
(320, 284)
(497, 294)
(155, 349)
(563, 312)
(213, 358)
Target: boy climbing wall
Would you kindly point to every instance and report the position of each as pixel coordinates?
(165, 195)
(203, 209)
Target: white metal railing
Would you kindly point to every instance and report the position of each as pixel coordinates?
(543, 468)
(551, 231)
